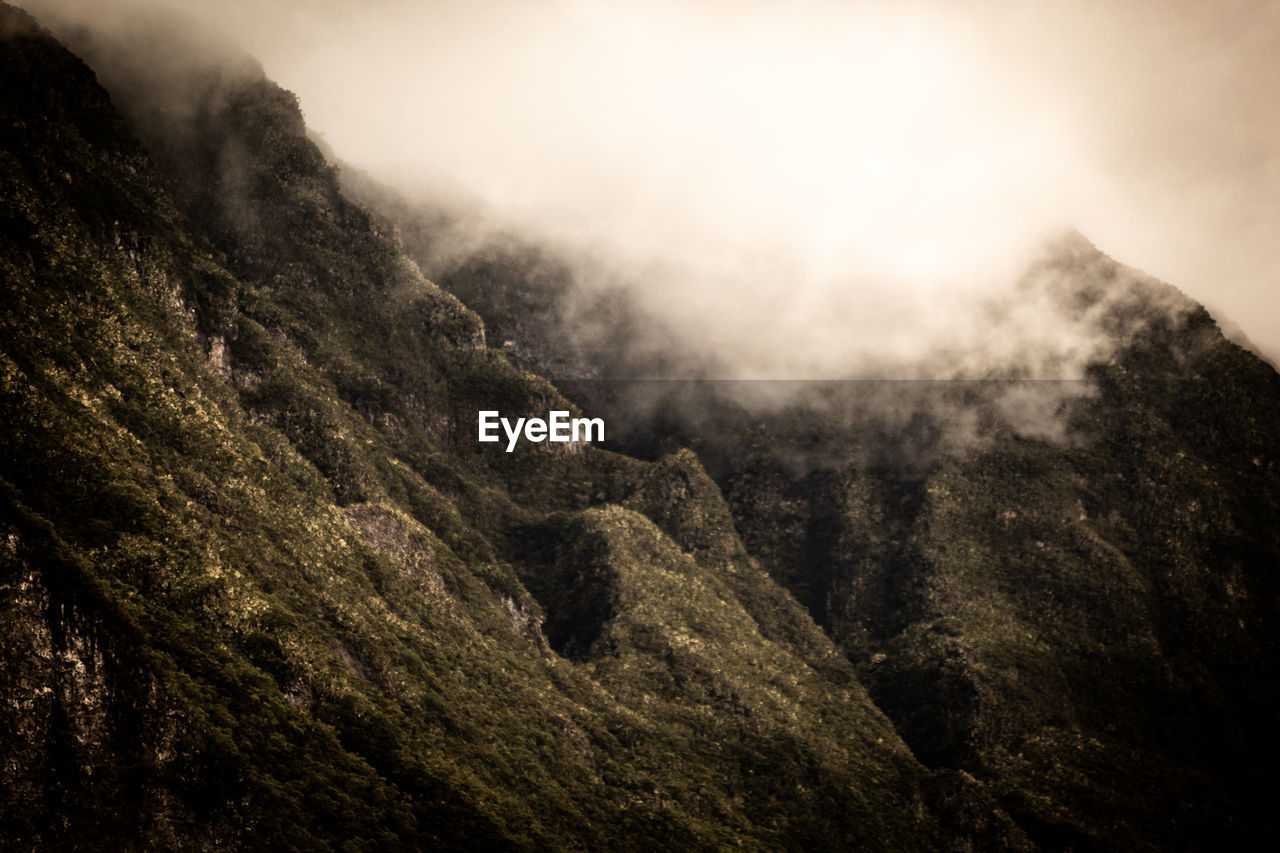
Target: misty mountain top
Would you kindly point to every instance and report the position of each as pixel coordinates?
(228, 140)
(749, 148)
(931, 300)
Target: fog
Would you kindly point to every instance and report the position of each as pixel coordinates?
(817, 189)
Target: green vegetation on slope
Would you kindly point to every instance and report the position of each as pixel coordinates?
(261, 588)
(1078, 610)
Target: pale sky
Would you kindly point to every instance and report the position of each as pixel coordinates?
(840, 165)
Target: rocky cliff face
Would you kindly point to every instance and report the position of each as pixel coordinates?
(262, 588)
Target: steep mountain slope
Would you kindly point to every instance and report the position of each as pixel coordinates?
(1066, 589)
(1086, 623)
(261, 587)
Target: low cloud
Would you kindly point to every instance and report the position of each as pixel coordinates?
(816, 189)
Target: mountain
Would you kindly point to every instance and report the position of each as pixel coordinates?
(1064, 589)
(262, 588)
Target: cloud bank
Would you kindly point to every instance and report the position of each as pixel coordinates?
(816, 189)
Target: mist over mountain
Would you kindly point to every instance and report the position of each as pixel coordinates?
(262, 588)
(1003, 559)
(812, 190)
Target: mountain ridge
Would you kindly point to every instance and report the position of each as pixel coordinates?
(262, 586)
(1161, 471)
(258, 586)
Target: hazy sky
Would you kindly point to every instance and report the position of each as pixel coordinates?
(866, 161)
